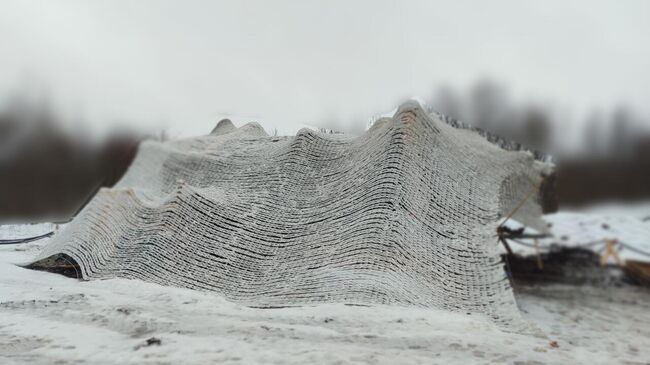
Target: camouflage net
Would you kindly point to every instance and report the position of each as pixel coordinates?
(405, 214)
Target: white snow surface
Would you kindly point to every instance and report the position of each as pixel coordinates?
(629, 224)
(18, 231)
(46, 318)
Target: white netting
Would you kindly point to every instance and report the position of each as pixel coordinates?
(404, 214)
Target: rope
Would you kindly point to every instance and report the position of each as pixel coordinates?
(521, 204)
(634, 249)
(25, 240)
(586, 245)
(582, 245)
(523, 243)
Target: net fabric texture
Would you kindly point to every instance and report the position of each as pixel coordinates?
(404, 214)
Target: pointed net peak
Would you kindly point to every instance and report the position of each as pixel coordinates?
(224, 126)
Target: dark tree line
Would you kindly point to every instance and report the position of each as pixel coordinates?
(46, 172)
(608, 158)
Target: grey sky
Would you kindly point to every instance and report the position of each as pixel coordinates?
(287, 63)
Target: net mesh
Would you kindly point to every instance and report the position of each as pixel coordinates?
(405, 214)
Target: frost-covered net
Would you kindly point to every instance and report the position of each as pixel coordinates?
(404, 214)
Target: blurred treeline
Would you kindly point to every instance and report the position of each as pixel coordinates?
(47, 172)
(603, 156)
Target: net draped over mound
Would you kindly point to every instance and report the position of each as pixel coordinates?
(404, 214)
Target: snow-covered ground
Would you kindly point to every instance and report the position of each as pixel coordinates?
(629, 224)
(50, 319)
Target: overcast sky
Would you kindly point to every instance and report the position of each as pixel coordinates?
(184, 64)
